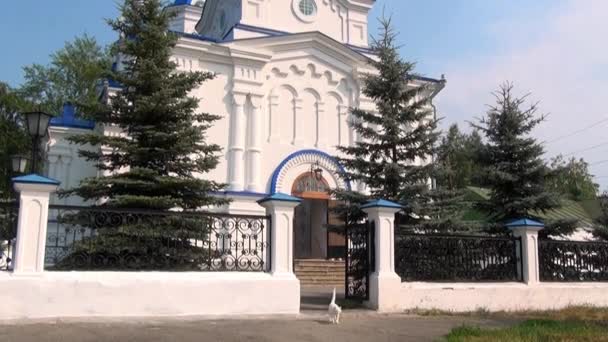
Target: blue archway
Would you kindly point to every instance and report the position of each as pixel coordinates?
(275, 175)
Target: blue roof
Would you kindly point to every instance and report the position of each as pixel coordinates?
(182, 2)
(281, 197)
(35, 179)
(68, 119)
(381, 204)
(524, 223)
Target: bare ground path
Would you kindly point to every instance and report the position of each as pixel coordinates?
(356, 326)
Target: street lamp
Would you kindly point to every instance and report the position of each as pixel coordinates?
(316, 170)
(19, 164)
(37, 125)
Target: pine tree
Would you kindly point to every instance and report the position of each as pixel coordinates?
(161, 162)
(514, 169)
(396, 141)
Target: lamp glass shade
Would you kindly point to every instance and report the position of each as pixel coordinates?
(37, 123)
(19, 164)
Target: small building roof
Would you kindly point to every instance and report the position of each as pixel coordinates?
(35, 179)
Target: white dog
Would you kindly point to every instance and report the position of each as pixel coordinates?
(334, 310)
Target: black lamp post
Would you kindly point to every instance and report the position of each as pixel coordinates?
(37, 125)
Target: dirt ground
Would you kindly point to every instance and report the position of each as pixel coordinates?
(355, 326)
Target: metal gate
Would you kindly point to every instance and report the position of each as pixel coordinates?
(9, 212)
(360, 261)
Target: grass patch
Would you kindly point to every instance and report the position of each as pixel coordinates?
(572, 313)
(532, 331)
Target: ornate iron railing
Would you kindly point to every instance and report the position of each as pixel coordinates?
(9, 213)
(85, 238)
(457, 258)
(360, 259)
(573, 261)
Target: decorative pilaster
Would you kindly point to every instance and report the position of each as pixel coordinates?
(297, 114)
(343, 128)
(274, 115)
(280, 208)
(237, 143)
(254, 145)
(34, 193)
(527, 230)
(321, 140)
(384, 284)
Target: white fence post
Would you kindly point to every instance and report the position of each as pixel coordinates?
(385, 284)
(34, 192)
(527, 230)
(280, 209)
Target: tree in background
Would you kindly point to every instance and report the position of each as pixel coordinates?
(394, 140)
(457, 157)
(14, 139)
(73, 76)
(161, 163)
(512, 159)
(572, 179)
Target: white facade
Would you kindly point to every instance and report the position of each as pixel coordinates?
(287, 73)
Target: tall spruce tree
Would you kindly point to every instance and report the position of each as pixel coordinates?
(512, 158)
(394, 140)
(161, 161)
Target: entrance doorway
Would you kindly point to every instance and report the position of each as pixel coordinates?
(312, 237)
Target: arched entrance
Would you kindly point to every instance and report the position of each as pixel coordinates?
(313, 239)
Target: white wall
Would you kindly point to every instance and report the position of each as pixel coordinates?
(466, 297)
(141, 294)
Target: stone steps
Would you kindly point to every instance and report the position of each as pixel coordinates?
(319, 272)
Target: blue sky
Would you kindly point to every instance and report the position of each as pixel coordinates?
(552, 48)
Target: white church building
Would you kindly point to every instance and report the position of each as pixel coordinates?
(287, 73)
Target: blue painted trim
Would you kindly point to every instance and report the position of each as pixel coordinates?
(280, 197)
(68, 119)
(241, 193)
(195, 36)
(381, 204)
(277, 171)
(258, 29)
(428, 79)
(361, 49)
(114, 84)
(35, 179)
(526, 222)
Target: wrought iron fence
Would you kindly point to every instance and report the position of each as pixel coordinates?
(457, 258)
(9, 213)
(86, 238)
(360, 259)
(573, 261)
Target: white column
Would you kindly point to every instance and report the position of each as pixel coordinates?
(254, 146)
(528, 230)
(237, 143)
(385, 284)
(34, 192)
(280, 208)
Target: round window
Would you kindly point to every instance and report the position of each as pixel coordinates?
(308, 7)
(305, 10)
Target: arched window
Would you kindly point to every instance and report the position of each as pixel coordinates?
(308, 185)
